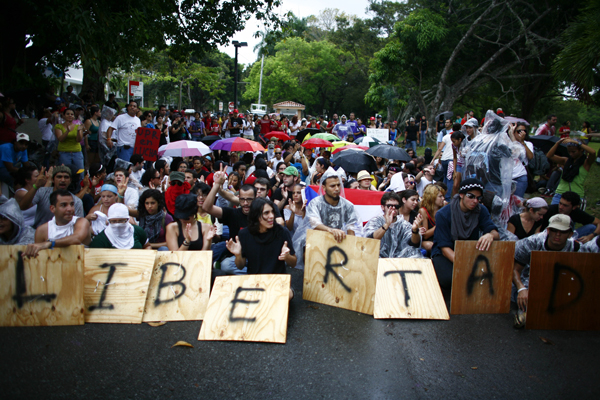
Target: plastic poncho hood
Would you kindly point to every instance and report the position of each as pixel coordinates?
(21, 234)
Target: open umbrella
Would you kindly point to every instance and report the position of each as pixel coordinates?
(354, 161)
(316, 142)
(545, 143)
(326, 136)
(184, 148)
(351, 146)
(237, 144)
(210, 139)
(304, 132)
(277, 134)
(446, 114)
(389, 152)
(340, 143)
(367, 141)
(515, 120)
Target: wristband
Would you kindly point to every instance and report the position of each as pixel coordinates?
(523, 288)
(384, 228)
(35, 187)
(52, 243)
(186, 243)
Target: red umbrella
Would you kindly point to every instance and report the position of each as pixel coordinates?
(316, 142)
(236, 144)
(278, 134)
(350, 147)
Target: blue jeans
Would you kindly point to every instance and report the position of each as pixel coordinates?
(124, 154)
(586, 230)
(556, 198)
(423, 141)
(74, 158)
(228, 266)
(521, 186)
(411, 144)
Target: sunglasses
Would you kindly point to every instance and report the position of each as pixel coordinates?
(472, 197)
(178, 183)
(521, 130)
(396, 206)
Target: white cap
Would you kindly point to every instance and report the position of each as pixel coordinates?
(22, 136)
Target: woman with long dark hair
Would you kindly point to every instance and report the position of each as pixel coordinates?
(188, 233)
(153, 218)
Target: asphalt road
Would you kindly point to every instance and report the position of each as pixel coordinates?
(330, 353)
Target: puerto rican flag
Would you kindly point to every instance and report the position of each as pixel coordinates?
(367, 203)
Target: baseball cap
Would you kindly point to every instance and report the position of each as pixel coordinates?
(561, 222)
(291, 171)
(372, 118)
(363, 175)
(22, 136)
(177, 176)
(235, 110)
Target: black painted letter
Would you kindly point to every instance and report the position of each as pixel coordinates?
(329, 267)
(479, 278)
(243, 301)
(21, 287)
(163, 284)
(558, 268)
(404, 285)
(111, 272)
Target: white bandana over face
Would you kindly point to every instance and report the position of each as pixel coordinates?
(120, 235)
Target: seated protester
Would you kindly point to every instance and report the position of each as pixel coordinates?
(295, 211)
(178, 187)
(12, 228)
(365, 181)
(554, 238)
(188, 233)
(151, 180)
(24, 181)
(202, 190)
(463, 219)
(153, 218)
(569, 204)
(593, 246)
(12, 157)
(424, 178)
(95, 180)
(351, 184)
(392, 170)
(433, 201)
(530, 221)
(127, 195)
(137, 171)
(397, 183)
(318, 169)
(191, 177)
(264, 246)
(409, 201)
(40, 195)
(98, 215)
(120, 234)
(65, 229)
(282, 194)
(409, 181)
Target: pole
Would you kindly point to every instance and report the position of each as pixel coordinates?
(235, 78)
(262, 62)
(180, 85)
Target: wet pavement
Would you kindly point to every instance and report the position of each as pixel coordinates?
(330, 353)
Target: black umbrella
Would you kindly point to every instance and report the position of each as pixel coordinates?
(446, 114)
(354, 161)
(545, 143)
(389, 152)
(300, 136)
(210, 139)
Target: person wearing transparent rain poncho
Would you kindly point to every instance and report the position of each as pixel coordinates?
(106, 150)
(330, 212)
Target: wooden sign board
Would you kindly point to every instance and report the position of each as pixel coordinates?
(482, 280)
(180, 286)
(116, 284)
(42, 291)
(250, 308)
(408, 288)
(147, 141)
(563, 291)
(341, 274)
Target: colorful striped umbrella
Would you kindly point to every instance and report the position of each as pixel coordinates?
(237, 144)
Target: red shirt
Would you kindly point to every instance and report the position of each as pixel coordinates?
(564, 131)
(265, 126)
(214, 129)
(316, 125)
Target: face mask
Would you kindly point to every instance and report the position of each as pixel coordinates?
(120, 229)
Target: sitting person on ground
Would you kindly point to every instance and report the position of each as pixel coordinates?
(463, 219)
(187, 233)
(127, 195)
(98, 215)
(593, 246)
(554, 238)
(569, 204)
(392, 169)
(295, 211)
(12, 228)
(409, 202)
(64, 230)
(177, 188)
(433, 201)
(24, 181)
(365, 181)
(120, 234)
(530, 221)
(202, 190)
(13, 156)
(153, 218)
(424, 178)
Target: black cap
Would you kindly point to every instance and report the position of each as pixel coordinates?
(471, 183)
(186, 205)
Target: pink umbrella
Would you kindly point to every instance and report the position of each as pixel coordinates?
(236, 144)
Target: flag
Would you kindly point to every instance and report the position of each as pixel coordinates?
(367, 203)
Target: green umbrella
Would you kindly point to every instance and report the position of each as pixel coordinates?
(326, 136)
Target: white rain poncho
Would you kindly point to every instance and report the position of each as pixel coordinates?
(537, 242)
(319, 212)
(593, 246)
(490, 159)
(396, 242)
(105, 122)
(21, 233)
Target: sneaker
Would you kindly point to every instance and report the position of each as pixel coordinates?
(520, 317)
(542, 190)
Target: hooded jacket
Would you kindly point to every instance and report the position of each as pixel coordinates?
(21, 234)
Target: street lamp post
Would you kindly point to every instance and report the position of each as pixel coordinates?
(235, 78)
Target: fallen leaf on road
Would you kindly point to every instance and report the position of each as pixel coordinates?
(473, 367)
(314, 307)
(182, 343)
(547, 341)
(161, 323)
(422, 359)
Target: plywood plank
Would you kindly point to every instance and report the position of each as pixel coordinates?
(42, 291)
(408, 288)
(563, 291)
(251, 308)
(482, 280)
(180, 286)
(341, 274)
(116, 284)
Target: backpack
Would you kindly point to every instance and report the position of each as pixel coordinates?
(539, 163)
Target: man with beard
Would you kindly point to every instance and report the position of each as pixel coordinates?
(331, 123)
(40, 195)
(290, 178)
(65, 229)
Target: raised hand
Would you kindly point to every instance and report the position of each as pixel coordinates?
(234, 248)
(42, 178)
(417, 222)
(389, 215)
(187, 233)
(284, 251)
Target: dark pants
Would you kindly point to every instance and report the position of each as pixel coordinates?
(443, 269)
(88, 203)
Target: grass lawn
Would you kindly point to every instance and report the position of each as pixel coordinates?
(592, 183)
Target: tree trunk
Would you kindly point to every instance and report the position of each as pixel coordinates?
(92, 80)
